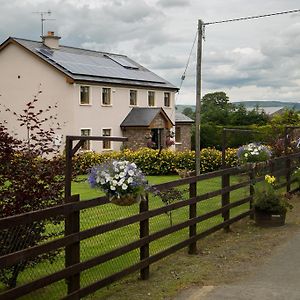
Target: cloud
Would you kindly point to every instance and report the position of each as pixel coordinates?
(173, 3)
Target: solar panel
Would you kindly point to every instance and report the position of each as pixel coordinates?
(99, 65)
(123, 61)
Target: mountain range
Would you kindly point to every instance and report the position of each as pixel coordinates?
(252, 104)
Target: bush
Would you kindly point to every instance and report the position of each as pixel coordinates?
(153, 162)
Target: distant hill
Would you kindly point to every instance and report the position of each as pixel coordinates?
(252, 104)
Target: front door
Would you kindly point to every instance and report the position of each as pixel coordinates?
(156, 137)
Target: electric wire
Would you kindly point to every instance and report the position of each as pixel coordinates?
(253, 17)
(187, 64)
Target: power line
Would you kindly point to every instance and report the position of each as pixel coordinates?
(187, 64)
(254, 17)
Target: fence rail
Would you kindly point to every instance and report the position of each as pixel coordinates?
(193, 216)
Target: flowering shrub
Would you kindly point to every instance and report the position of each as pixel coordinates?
(268, 200)
(253, 153)
(151, 163)
(118, 178)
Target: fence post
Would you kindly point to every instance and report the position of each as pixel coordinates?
(144, 231)
(226, 199)
(193, 213)
(252, 177)
(288, 174)
(72, 225)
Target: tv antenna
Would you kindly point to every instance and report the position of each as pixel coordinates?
(43, 19)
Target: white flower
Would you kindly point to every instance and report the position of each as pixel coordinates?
(114, 182)
(113, 188)
(108, 178)
(133, 165)
(130, 179)
(122, 174)
(246, 154)
(130, 172)
(102, 181)
(97, 179)
(117, 176)
(124, 186)
(121, 182)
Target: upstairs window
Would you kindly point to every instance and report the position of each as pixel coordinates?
(151, 98)
(106, 144)
(84, 94)
(133, 98)
(106, 96)
(87, 144)
(167, 99)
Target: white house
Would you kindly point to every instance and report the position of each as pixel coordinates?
(97, 93)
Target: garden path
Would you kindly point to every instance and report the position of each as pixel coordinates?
(278, 278)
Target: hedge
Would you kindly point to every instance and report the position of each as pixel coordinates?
(154, 163)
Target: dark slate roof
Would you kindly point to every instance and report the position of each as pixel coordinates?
(143, 116)
(94, 66)
(181, 118)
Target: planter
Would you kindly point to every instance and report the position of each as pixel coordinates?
(267, 219)
(125, 200)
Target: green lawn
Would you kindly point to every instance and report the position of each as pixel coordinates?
(106, 242)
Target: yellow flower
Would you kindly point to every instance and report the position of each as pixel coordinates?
(270, 179)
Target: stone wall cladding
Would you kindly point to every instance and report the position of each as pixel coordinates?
(185, 137)
(136, 137)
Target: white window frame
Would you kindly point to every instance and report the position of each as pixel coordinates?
(136, 99)
(111, 147)
(90, 142)
(110, 95)
(90, 95)
(153, 99)
(167, 106)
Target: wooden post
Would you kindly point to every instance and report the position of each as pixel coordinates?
(287, 161)
(252, 177)
(144, 231)
(72, 225)
(72, 222)
(225, 181)
(198, 96)
(193, 213)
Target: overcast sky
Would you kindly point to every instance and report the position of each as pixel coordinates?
(250, 60)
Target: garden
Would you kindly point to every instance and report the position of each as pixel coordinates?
(78, 247)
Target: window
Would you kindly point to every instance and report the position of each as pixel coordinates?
(167, 99)
(84, 94)
(106, 132)
(87, 144)
(133, 97)
(151, 98)
(106, 96)
(177, 134)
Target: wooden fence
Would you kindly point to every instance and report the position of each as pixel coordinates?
(71, 241)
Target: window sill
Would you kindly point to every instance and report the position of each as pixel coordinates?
(83, 104)
(106, 105)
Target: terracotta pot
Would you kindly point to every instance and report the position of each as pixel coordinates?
(267, 219)
(125, 200)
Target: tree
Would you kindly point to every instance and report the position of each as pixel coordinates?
(29, 180)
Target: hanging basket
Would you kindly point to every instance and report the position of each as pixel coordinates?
(125, 200)
(256, 166)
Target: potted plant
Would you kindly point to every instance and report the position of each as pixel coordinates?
(270, 206)
(253, 155)
(122, 181)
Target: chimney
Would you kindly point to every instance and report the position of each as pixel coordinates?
(51, 40)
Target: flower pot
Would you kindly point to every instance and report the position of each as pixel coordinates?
(125, 200)
(268, 219)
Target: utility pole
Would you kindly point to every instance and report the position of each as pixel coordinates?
(198, 95)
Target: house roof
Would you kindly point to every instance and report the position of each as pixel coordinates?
(143, 117)
(93, 66)
(182, 118)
